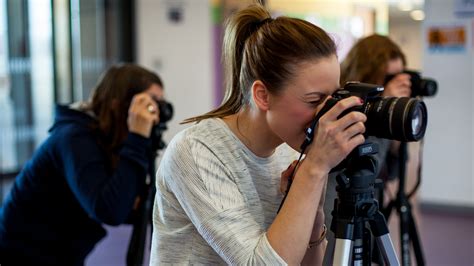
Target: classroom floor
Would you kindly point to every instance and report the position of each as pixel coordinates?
(447, 240)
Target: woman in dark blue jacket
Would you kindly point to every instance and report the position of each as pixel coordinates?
(90, 171)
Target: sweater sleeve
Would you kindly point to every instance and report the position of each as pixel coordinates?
(207, 192)
(106, 196)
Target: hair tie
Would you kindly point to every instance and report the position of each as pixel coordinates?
(264, 21)
(257, 25)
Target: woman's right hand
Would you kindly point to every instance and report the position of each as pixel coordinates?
(142, 114)
(335, 138)
(399, 86)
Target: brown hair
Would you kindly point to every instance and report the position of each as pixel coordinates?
(257, 47)
(367, 60)
(111, 99)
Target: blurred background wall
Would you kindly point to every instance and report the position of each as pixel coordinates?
(448, 156)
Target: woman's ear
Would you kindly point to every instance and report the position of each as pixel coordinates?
(261, 95)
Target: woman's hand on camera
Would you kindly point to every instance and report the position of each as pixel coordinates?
(335, 138)
(285, 177)
(142, 114)
(399, 86)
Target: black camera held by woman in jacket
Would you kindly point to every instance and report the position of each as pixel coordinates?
(420, 86)
(166, 113)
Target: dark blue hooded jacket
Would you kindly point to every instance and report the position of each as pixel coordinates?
(54, 212)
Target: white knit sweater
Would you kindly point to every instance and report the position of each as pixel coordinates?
(215, 199)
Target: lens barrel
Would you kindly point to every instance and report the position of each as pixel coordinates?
(166, 110)
(426, 87)
(403, 118)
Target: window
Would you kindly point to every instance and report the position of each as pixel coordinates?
(53, 51)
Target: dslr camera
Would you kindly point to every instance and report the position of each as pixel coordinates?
(166, 113)
(419, 86)
(397, 118)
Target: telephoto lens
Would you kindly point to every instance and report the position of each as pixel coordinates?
(403, 118)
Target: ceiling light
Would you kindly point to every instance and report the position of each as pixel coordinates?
(417, 15)
(405, 5)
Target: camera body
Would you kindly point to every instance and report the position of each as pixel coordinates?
(419, 86)
(166, 113)
(166, 110)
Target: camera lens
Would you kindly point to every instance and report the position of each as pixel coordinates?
(166, 113)
(426, 87)
(396, 118)
(416, 124)
(166, 110)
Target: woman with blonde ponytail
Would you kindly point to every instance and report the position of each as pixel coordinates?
(221, 181)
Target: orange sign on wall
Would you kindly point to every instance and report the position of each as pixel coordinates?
(447, 38)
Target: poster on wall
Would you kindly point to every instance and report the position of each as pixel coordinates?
(464, 7)
(446, 39)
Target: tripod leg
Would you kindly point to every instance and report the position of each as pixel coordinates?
(352, 246)
(342, 252)
(361, 243)
(380, 192)
(409, 235)
(386, 247)
(367, 242)
(404, 236)
(382, 236)
(343, 230)
(420, 260)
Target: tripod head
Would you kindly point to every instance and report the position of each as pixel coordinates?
(355, 184)
(358, 169)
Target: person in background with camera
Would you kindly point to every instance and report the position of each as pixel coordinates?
(371, 60)
(89, 172)
(221, 181)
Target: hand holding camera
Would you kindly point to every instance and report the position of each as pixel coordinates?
(419, 86)
(336, 134)
(398, 86)
(143, 113)
(339, 128)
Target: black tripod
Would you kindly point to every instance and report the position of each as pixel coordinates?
(136, 246)
(356, 210)
(408, 231)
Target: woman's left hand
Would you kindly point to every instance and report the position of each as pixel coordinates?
(285, 176)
